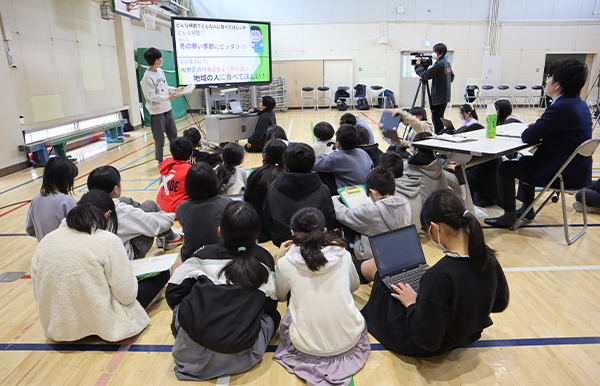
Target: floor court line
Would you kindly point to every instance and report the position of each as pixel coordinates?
(147, 348)
(290, 128)
(85, 175)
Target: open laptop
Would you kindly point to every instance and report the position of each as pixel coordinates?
(448, 125)
(389, 126)
(236, 107)
(399, 257)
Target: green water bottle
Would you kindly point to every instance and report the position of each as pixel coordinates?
(492, 119)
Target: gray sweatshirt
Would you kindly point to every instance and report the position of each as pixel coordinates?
(409, 188)
(156, 91)
(382, 216)
(46, 213)
(432, 176)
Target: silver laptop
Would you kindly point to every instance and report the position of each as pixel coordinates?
(399, 257)
(236, 107)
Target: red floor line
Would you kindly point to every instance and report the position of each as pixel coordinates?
(371, 119)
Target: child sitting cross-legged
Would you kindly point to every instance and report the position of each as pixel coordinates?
(171, 191)
(223, 301)
(199, 216)
(387, 211)
(212, 159)
(139, 223)
(232, 178)
(296, 188)
(347, 166)
(325, 339)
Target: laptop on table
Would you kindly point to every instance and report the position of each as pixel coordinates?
(399, 257)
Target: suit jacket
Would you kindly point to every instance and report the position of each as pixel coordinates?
(565, 125)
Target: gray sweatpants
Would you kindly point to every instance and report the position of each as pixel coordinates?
(161, 124)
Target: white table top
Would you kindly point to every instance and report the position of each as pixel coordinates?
(482, 146)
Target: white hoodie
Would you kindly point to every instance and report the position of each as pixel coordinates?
(325, 321)
(156, 91)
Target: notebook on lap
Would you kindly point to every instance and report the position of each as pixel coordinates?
(399, 257)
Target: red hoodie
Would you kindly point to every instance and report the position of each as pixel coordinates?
(171, 191)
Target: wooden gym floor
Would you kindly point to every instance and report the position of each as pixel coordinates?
(549, 334)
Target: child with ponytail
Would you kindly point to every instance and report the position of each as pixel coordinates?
(456, 294)
(325, 338)
(468, 115)
(223, 301)
(232, 178)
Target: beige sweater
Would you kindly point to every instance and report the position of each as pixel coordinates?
(84, 285)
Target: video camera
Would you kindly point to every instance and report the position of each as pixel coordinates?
(426, 59)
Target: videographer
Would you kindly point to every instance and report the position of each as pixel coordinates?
(442, 76)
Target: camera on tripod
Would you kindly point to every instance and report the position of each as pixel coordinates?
(426, 59)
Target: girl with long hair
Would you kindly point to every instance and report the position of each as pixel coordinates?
(325, 338)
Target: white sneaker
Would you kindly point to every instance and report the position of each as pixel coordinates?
(160, 241)
(170, 244)
(578, 206)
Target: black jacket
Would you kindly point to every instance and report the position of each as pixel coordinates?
(291, 192)
(373, 151)
(266, 119)
(452, 309)
(442, 76)
(221, 317)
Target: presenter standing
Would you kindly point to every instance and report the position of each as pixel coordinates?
(158, 96)
(441, 76)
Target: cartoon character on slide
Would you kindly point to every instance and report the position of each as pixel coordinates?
(257, 39)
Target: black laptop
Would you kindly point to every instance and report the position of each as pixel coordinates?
(399, 257)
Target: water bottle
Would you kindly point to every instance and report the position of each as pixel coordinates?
(492, 119)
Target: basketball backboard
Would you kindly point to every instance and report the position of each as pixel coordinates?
(121, 7)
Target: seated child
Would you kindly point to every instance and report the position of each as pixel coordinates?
(388, 211)
(354, 120)
(416, 119)
(232, 178)
(295, 189)
(349, 165)
(504, 112)
(324, 144)
(223, 301)
(52, 204)
(372, 150)
(212, 159)
(171, 191)
(325, 339)
(456, 294)
(138, 223)
(83, 282)
(266, 119)
(424, 164)
(199, 216)
(468, 115)
(407, 187)
(260, 180)
(276, 132)
(592, 199)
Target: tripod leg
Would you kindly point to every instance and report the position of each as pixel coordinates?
(417, 93)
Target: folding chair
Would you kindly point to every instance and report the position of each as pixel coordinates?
(586, 149)
(487, 92)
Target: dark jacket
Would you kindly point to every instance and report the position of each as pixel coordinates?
(565, 125)
(291, 192)
(266, 119)
(199, 221)
(373, 151)
(441, 76)
(221, 317)
(453, 307)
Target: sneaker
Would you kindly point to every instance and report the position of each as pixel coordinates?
(170, 244)
(160, 242)
(578, 206)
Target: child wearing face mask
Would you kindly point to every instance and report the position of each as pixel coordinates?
(387, 211)
(433, 322)
(468, 115)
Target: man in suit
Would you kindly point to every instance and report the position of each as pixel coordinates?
(565, 125)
